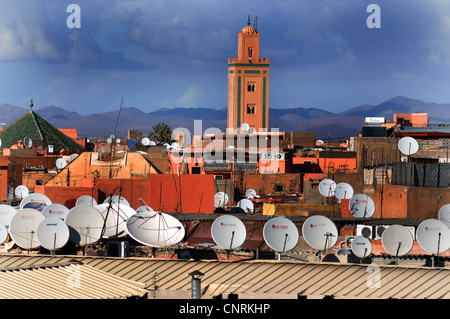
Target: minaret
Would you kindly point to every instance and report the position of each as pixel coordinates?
(248, 83)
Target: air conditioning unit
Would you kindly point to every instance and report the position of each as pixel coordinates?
(267, 156)
(379, 230)
(364, 230)
(279, 156)
(117, 248)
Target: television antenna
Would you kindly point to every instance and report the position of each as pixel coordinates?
(281, 234)
(228, 232)
(362, 206)
(444, 214)
(397, 240)
(251, 193)
(73, 157)
(434, 237)
(327, 187)
(320, 232)
(37, 200)
(27, 142)
(155, 229)
(246, 205)
(361, 247)
(145, 141)
(23, 228)
(408, 145)
(343, 191)
(6, 213)
(86, 200)
(52, 233)
(61, 163)
(115, 218)
(220, 199)
(245, 127)
(21, 191)
(3, 234)
(85, 225)
(55, 210)
(117, 199)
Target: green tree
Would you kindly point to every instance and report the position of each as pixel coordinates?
(161, 133)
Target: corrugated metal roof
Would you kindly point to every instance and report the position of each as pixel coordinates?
(264, 278)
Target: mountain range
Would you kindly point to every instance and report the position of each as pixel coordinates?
(325, 124)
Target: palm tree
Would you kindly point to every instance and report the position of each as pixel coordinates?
(161, 133)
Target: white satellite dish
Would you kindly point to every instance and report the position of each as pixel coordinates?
(155, 229)
(61, 163)
(281, 234)
(21, 191)
(361, 247)
(343, 191)
(27, 142)
(115, 217)
(408, 145)
(145, 141)
(433, 236)
(55, 210)
(246, 205)
(444, 214)
(220, 199)
(86, 200)
(73, 157)
(144, 208)
(85, 224)
(3, 234)
(251, 193)
(6, 213)
(119, 200)
(228, 232)
(327, 187)
(23, 228)
(320, 232)
(37, 198)
(397, 240)
(109, 140)
(362, 206)
(245, 127)
(53, 233)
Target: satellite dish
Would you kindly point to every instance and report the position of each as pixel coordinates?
(6, 213)
(117, 140)
(320, 232)
(361, 247)
(362, 206)
(408, 145)
(152, 143)
(73, 157)
(155, 229)
(109, 140)
(220, 199)
(116, 199)
(245, 127)
(397, 240)
(23, 228)
(251, 193)
(55, 210)
(145, 141)
(86, 200)
(144, 208)
(85, 225)
(21, 191)
(327, 187)
(433, 236)
(53, 233)
(444, 214)
(281, 234)
(228, 232)
(36, 198)
(0, 142)
(3, 234)
(28, 142)
(61, 163)
(343, 191)
(246, 205)
(115, 217)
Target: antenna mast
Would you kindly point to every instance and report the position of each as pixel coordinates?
(114, 139)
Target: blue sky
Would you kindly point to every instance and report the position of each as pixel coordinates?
(173, 53)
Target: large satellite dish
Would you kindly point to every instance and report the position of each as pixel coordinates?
(55, 210)
(6, 213)
(115, 217)
(23, 228)
(281, 234)
(246, 205)
(220, 199)
(228, 232)
(343, 191)
(433, 236)
(361, 247)
(362, 206)
(27, 142)
(320, 232)
(119, 200)
(21, 191)
(408, 145)
(86, 200)
(444, 214)
(61, 163)
(53, 233)
(85, 225)
(3, 234)
(155, 229)
(327, 187)
(397, 240)
(35, 198)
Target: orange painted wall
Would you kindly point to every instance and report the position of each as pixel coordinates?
(393, 203)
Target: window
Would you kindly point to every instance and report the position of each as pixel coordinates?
(250, 52)
(251, 87)
(250, 109)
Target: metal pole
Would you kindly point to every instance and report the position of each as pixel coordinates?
(196, 288)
